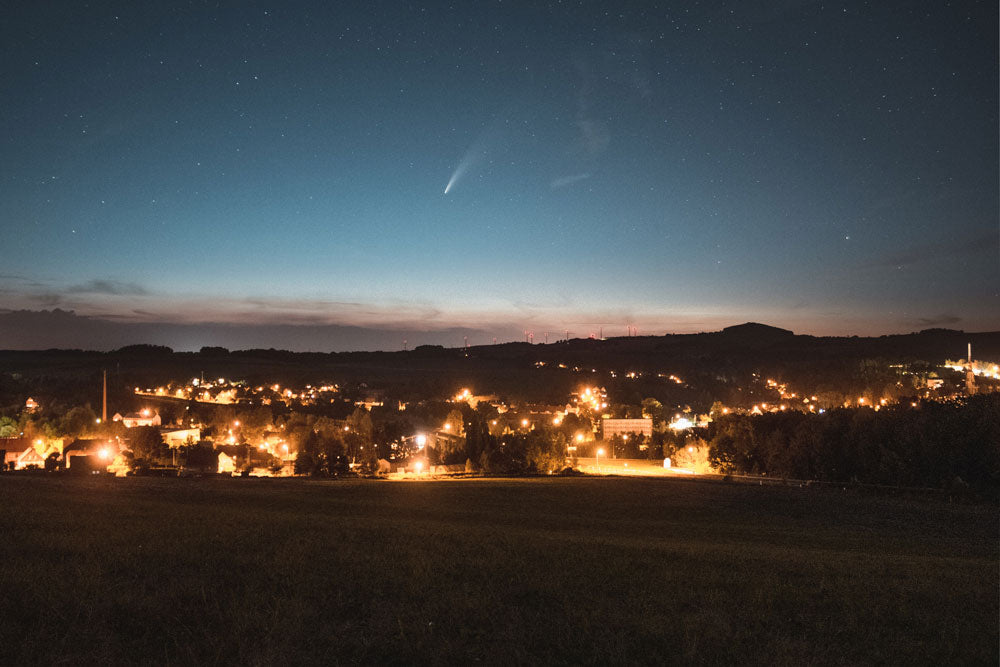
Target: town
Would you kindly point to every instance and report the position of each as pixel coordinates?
(335, 428)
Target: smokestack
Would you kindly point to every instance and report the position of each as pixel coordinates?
(969, 355)
(104, 400)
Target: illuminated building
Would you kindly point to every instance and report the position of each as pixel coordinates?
(613, 427)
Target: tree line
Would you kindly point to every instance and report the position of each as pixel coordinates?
(936, 444)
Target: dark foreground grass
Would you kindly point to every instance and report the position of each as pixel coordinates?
(523, 571)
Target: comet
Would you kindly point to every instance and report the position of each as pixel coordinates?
(470, 158)
(478, 150)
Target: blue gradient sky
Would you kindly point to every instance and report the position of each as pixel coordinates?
(830, 168)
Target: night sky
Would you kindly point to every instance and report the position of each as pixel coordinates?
(830, 168)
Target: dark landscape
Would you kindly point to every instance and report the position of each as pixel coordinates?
(503, 332)
(563, 571)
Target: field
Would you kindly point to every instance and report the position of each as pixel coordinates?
(569, 570)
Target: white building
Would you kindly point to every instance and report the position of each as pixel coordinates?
(613, 427)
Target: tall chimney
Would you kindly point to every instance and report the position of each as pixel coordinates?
(104, 401)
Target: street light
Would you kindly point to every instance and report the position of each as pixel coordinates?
(600, 453)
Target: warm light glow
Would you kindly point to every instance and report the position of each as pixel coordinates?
(104, 454)
(447, 426)
(236, 423)
(145, 412)
(524, 423)
(579, 437)
(418, 465)
(421, 440)
(681, 423)
(600, 452)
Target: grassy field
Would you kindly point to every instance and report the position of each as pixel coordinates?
(575, 570)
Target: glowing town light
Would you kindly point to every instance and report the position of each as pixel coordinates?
(421, 441)
(104, 454)
(145, 412)
(681, 424)
(579, 437)
(524, 423)
(236, 423)
(417, 466)
(447, 426)
(556, 421)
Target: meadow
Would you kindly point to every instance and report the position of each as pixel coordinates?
(552, 570)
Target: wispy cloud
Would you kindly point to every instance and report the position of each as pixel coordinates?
(563, 181)
(919, 254)
(939, 320)
(109, 287)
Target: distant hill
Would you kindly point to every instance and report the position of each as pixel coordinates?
(708, 363)
(752, 331)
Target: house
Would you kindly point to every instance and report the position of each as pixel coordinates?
(21, 453)
(30, 405)
(144, 417)
(227, 464)
(180, 437)
(88, 454)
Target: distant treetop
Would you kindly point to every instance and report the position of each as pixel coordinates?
(144, 349)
